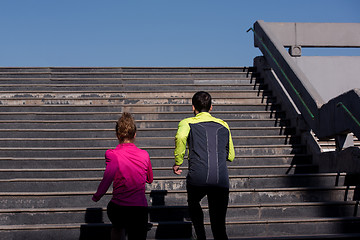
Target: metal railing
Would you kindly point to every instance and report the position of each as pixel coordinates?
(284, 74)
(340, 104)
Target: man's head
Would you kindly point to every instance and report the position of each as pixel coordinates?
(201, 102)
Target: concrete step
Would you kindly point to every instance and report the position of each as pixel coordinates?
(42, 231)
(239, 228)
(21, 152)
(330, 145)
(180, 213)
(127, 69)
(235, 171)
(92, 131)
(143, 135)
(352, 236)
(72, 231)
(111, 102)
(143, 126)
(185, 96)
(141, 141)
(288, 180)
(172, 76)
(108, 115)
(130, 73)
(290, 211)
(10, 100)
(178, 197)
(291, 227)
(159, 108)
(159, 161)
(127, 82)
(62, 180)
(127, 75)
(278, 127)
(121, 87)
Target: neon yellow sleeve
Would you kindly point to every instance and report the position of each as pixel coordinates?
(180, 141)
(231, 155)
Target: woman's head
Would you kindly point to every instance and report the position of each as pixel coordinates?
(126, 128)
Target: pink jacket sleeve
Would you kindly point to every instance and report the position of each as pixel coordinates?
(109, 175)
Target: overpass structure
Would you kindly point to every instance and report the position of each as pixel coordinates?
(323, 90)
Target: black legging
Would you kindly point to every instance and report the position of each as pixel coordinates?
(218, 199)
(133, 219)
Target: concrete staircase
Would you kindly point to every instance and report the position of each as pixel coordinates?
(56, 124)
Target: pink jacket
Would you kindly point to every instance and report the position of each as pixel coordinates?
(129, 168)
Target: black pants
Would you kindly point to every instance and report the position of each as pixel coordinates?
(218, 199)
(133, 219)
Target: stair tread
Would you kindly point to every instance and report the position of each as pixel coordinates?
(300, 237)
(129, 91)
(153, 157)
(284, 189)
(260, 205)
(109, 105)
(114, 138)
(294, 220)
(156, 178)
(142, 147)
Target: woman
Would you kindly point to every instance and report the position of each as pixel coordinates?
(129, 168)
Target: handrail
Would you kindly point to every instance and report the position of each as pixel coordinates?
(283, 73)
(349, 112)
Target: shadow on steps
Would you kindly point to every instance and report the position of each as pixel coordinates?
(169, 221)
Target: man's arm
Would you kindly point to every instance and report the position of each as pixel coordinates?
(180, 145)
(231, 155)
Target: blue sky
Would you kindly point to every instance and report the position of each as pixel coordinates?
(148, 32)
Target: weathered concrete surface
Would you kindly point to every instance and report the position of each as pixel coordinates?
(331, 76)
(316, 34)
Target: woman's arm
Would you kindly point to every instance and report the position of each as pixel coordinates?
(109, 175)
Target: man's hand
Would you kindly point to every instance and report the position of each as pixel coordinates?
(177, 170)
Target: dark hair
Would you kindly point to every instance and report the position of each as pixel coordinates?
(125, 127)
(201, 101)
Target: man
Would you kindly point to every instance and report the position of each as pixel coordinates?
(210, 146)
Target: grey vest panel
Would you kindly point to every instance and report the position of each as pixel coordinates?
(208, 151)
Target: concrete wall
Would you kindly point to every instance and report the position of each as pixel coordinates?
(340, 74)
(331, 76)
(316, 34)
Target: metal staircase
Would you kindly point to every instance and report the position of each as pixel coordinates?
(56, 124)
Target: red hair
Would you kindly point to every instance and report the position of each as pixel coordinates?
(125, 127)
